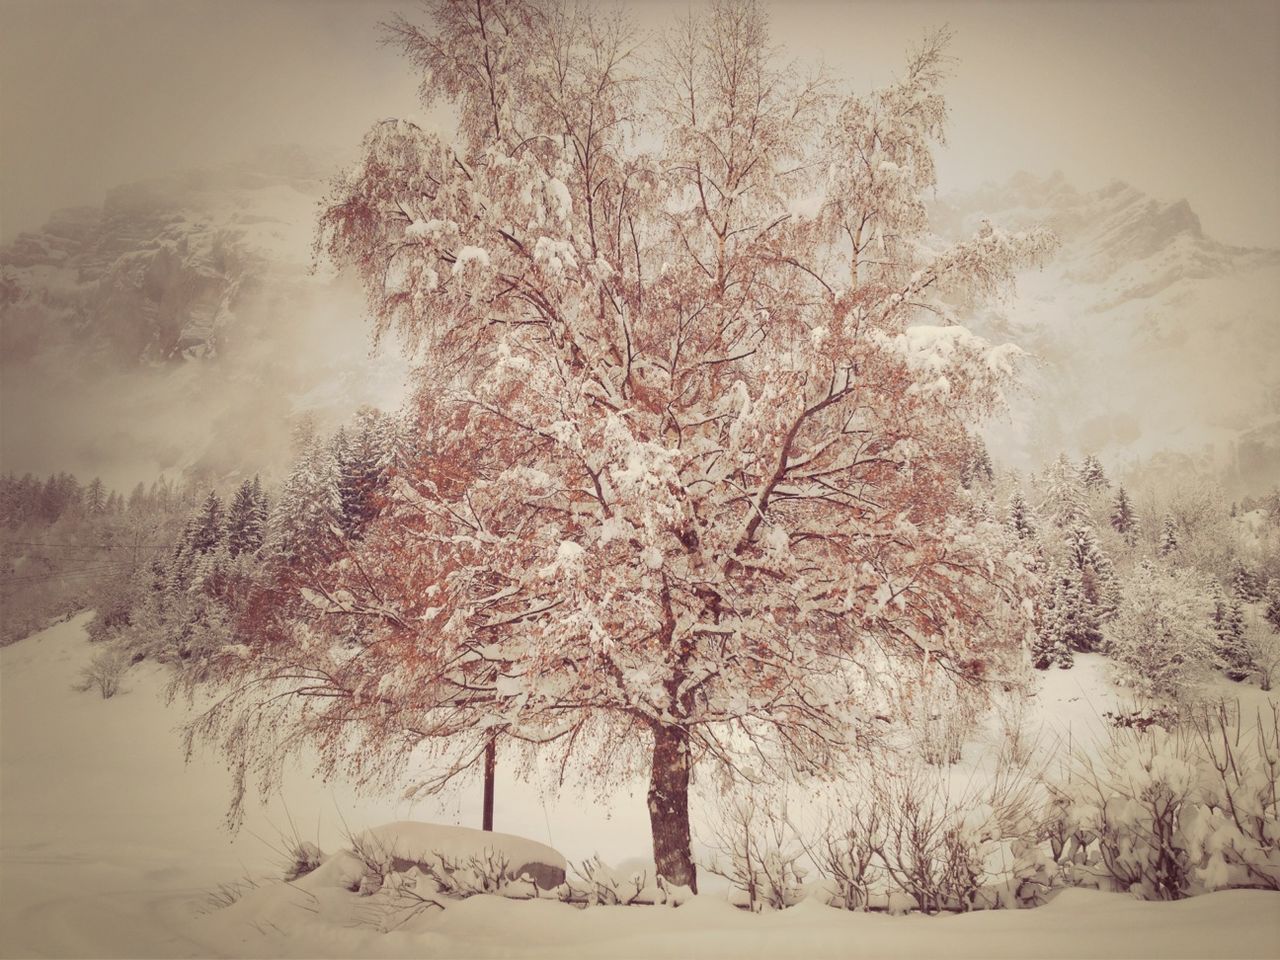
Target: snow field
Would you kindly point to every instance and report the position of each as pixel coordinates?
(111, 847)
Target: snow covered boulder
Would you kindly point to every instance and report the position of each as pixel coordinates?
(476, 860)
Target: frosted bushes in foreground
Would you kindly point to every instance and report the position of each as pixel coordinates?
(1169, 814)
(898, 840)
(1159, 814)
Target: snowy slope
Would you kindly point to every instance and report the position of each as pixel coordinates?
(109, 846)
(1149, 335)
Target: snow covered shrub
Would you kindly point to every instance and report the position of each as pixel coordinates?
(1130, 801)
(956, 851)
(930, 849)
(1237, 829)
(942, 718)
(304, 857)
(1165, 814)
(1142, 718)
(103, 673)
(758, 851)
(1162, 636)
(845, 850)
(1017, 743)
(1261, 646)
(598, 883)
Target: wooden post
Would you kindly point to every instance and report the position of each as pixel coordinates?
(490, 767)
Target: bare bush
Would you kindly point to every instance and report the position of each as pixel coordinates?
(601, 884)
(758, 851)
(1244, 796)
(103, 673)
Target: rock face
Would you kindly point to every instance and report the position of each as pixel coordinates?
(181, 326)
(1149, 335)
(160, 272)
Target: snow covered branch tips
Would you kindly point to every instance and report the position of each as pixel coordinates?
(680, 489)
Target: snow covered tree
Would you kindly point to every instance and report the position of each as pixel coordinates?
(1169, 539)
(95, 498)
(1162, 635)
(1020, 517)
(977, 468)
(209, 528)
(1272, 612)
(684, 453)
(304, 528)
(1063, 495)
(363, 459)
(245, 527)
(1124, 518)
(1092, 475)
(1097, 576)
(1228, 625)
(1245, 583)
(1065, 622)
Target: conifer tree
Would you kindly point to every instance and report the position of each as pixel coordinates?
(95, 498)
(1020, 519)
(1094, 567)
(1228, 626)
(1168, 536)
(1244, 583)
(1124, 518)
(1064, 502)
(305, 523)
(1064, 621)
(244, 519)
(210, 526)
(362, 457)
(1092, 475)
(1272, 612)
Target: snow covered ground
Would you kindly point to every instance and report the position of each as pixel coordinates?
(110, 847)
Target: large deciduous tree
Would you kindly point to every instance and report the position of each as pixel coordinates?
(690, 415)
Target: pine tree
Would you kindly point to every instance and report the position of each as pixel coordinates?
(1064, 501)
(362, 459)
(1244, 583)
(1124, 518)
(244, 520)
(138, 499)
(1228, 626)
(1272, 612)
(305, 519)
(1062, 624)
(1092, 476)
(209, 526)
(1168, 536)
(1095, 570)
(1020, 519)
(95, 497)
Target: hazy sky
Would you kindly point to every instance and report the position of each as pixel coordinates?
(1180, 98)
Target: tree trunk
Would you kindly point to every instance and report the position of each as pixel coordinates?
(669, 806)
(490, 768)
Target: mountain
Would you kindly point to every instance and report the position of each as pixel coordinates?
(181, 326)
(1148, 335)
